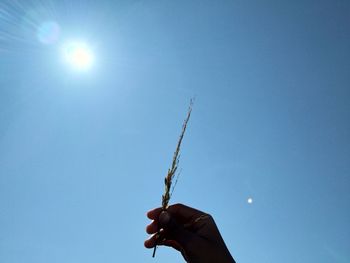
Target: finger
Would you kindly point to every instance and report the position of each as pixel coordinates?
(172, 230)
(152, 228)
(149, 243)
(171, 243)
(154, 239)
(183, 213)
(154, 214)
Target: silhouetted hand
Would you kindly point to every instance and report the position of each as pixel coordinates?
(192, 232)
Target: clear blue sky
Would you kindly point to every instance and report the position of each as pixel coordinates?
(83, 154)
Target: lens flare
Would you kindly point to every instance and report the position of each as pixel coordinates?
(48, 32)
(78, 55)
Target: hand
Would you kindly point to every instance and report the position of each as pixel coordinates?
(192, 232)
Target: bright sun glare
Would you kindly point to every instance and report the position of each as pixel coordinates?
(78, 55)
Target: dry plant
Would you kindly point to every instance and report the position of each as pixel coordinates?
(168, 182)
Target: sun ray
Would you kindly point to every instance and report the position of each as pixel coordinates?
(24, 24)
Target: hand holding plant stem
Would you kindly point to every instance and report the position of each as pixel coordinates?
(171, 172)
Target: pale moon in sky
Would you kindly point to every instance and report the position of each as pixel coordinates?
(78, 55)
(250, 200)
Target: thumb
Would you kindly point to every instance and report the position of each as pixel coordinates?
(174, 230)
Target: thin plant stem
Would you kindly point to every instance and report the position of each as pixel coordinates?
(172, 171)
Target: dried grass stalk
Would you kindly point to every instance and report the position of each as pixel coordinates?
(172, 171)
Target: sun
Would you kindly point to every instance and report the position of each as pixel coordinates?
(78, 55)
